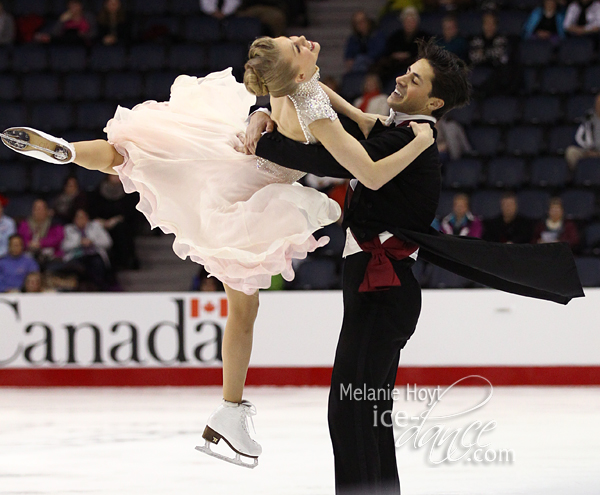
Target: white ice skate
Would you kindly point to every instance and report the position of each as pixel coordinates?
(38, 144)
(230, 423)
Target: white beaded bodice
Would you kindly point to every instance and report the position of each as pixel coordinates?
(311, 104)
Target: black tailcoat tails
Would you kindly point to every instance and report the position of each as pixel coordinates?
(377, 325)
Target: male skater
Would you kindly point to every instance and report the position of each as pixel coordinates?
(382, 299)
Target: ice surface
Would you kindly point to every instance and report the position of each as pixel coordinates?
(141, 441)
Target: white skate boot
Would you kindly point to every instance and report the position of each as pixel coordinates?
(38, 144)
(230, 423)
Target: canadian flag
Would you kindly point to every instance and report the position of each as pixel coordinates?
(210, 307)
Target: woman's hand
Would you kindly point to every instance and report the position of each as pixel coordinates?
(366, 122)
(423, 133)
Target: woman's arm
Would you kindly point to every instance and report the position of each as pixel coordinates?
(365, 121)
(340, 105)
(351, 155)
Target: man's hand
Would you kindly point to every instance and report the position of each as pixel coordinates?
(259, 122)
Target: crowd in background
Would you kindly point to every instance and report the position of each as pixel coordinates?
(79, 240)
(113, 23)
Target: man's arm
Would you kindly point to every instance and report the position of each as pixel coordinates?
(315, 159)
(312, 159)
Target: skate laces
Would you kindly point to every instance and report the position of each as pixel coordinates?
(249, 410)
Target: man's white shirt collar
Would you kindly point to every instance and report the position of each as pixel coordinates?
(399, 117)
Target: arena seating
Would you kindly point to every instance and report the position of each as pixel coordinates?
(518, 140)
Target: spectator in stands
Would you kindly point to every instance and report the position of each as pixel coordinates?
(29, 28)
(545, 23)
(34, 283)
(116, 211)
(219, 9)
(372, 99)
(365, 45)
(492, 49)
(583, 18)
(113, 23)
(41, 235)
(85, 246)
(273, 14)
(452, 40)
(7, 227)
(7, 27)
(203, 283)
(392, 7)
(461, 221)
(75, 25)
(509, 226)
(555, 228)
(16, 265)
(587, 137)
(401, 49)
(452, 140)
(68, 201)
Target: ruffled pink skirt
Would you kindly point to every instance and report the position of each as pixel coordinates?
(237, 220)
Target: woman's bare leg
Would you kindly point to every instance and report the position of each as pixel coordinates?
(97, 155)
(237, 342)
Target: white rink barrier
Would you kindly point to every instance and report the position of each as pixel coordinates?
(175, 338)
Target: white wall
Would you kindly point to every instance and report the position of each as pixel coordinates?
(456, 328)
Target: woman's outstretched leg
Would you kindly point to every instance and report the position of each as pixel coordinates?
(97, 155)
(237, 342)
(93, 155)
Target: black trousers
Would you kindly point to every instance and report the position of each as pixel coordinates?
(376, 327)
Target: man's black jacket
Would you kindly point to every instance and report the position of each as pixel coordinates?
(406, 206)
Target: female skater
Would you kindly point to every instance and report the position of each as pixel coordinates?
(244, 219)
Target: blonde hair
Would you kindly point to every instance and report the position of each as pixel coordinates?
(267, 72)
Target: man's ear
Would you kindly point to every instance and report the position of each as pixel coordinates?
(435, 104)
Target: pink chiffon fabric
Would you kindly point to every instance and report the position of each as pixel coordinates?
(241, 222)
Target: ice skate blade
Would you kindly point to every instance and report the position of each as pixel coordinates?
(237, 460)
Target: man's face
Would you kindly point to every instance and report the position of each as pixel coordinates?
(15, 246)
(411, 95)
(508, 207)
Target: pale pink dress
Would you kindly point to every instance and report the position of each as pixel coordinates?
(243, 223)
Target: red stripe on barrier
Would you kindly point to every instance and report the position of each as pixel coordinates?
(423, 376)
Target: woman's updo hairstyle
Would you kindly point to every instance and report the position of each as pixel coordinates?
(267, 72)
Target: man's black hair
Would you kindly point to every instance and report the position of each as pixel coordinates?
(450, 76)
